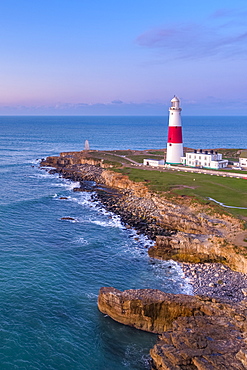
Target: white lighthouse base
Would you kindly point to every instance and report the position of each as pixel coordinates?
(174, 153)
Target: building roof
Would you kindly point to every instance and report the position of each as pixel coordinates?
(175, 99)
(243, 154)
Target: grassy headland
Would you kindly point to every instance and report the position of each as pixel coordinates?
(229, 191)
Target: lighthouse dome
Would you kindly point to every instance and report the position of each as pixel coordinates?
(175, 103)
(175, 99)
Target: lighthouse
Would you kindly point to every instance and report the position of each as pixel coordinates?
(175, 141)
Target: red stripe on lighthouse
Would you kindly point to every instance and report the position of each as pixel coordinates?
(175, 134)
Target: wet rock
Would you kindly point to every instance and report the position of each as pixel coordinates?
(198, 249)
(200, 343)
(154, 311)
(77, 189)
(227, 285)
(196, 332)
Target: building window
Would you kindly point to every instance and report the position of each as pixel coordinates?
(199, 157)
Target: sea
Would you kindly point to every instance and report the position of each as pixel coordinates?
(51, 269)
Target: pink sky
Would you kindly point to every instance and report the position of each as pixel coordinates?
(64, 57)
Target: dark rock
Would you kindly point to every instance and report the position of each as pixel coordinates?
(68, 218)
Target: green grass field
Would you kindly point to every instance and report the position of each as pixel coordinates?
(139, 157)
(229, 191)
(108, 158)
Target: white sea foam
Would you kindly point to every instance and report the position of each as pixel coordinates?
(68, 185)
(91, 295)
(43, 175)
(136, 246)
(81, 240)
(35, 161)
(109, 219)
(85, 199)
(169, 273)
(114, 221)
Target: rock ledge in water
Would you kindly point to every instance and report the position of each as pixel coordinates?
(196, 332)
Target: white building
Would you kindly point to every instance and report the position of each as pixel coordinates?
(207, 159)
(153, 162)
(243, 158)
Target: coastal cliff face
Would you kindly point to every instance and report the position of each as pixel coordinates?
(196, 332)
(184, 230)
(176, 215)
(199, 248)
(155, 311)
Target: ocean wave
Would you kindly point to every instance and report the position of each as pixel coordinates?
(68, 185)
(91, 295)
(112, 222)
(132, 357)
(81, 240)
(35, 161)
(44, 175)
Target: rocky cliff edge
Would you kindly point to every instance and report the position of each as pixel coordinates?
(196, 332)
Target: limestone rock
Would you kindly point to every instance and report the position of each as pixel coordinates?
(196, 332)
(200, 342)
(154, 311)
(185, 230)
(198, 248)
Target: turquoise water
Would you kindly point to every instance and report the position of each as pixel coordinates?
(51, 269)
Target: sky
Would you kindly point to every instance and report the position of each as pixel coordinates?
(111, 57)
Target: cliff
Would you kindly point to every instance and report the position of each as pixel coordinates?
(183, 230)
(196, 332)
(193, 248)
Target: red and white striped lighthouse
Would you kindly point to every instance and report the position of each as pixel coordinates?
(175, 141)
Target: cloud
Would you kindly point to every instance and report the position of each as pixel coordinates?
(117, 102)
(223, 13)
(238, 14)
(195, 41)
(123, 108)
(209, 105)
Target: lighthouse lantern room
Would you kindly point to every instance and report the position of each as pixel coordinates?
(175, 141)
